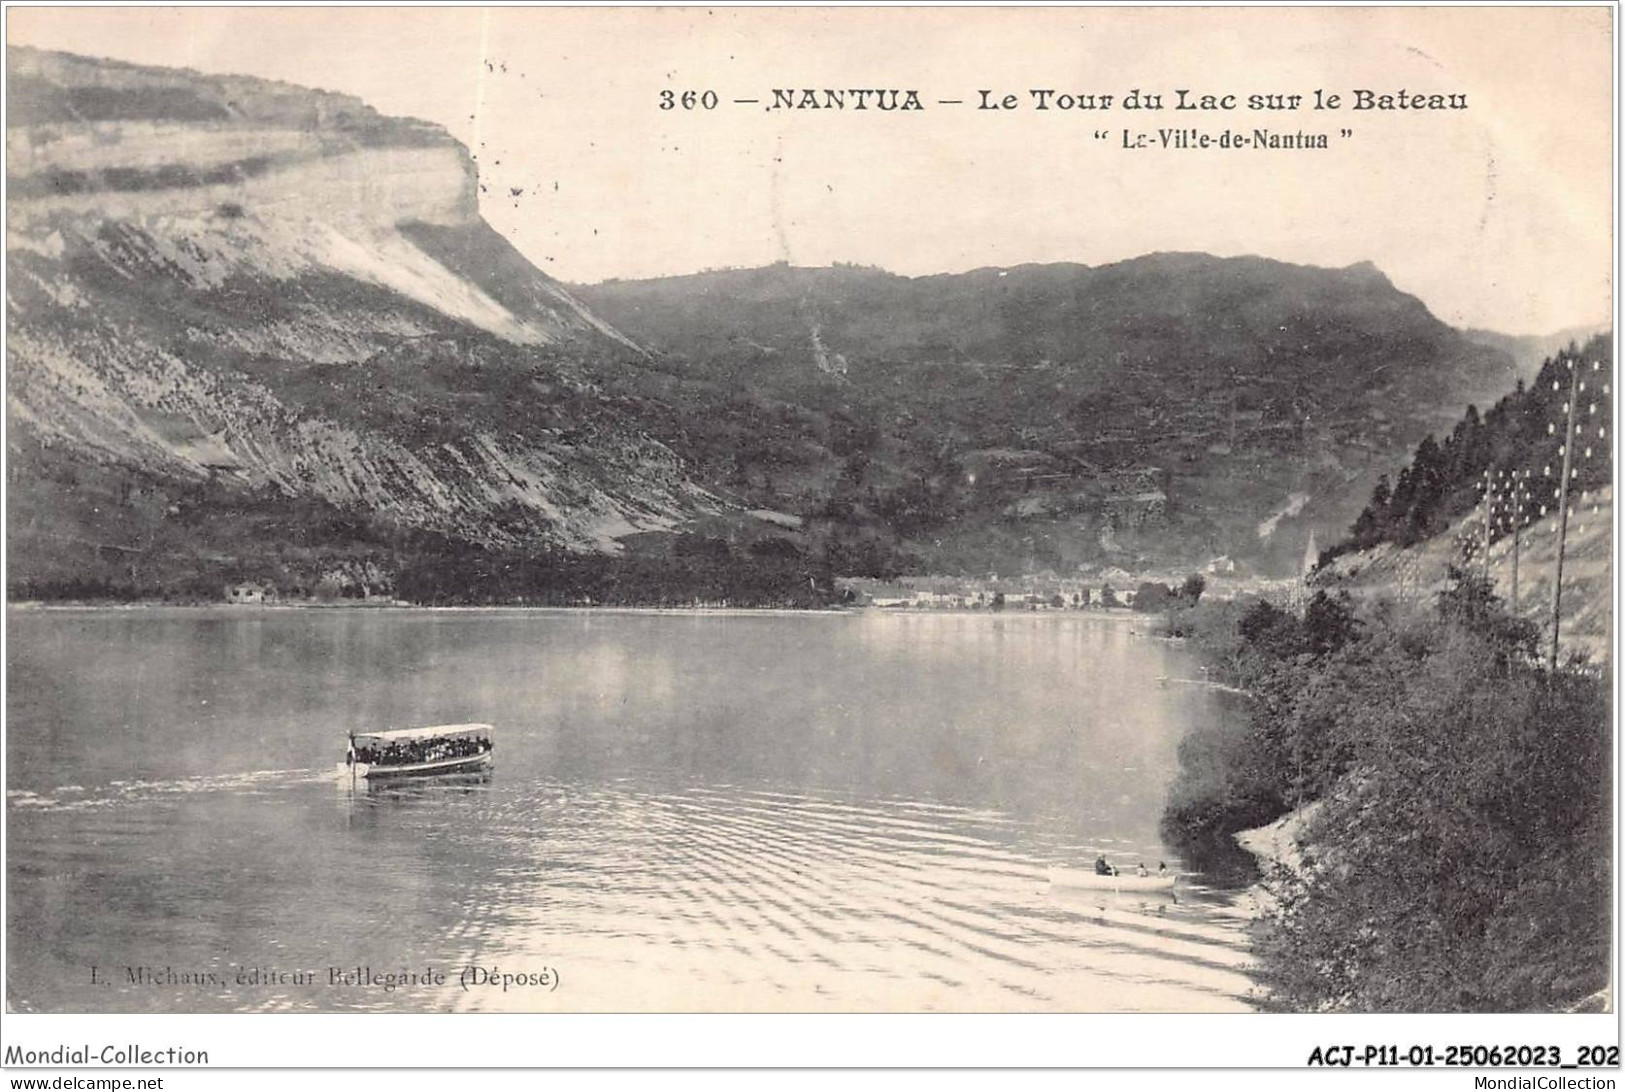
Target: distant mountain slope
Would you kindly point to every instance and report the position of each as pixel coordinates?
(1167, 408)
(1529, 350)
(229, 296)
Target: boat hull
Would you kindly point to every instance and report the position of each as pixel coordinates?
(460, 764)
(1082, 879)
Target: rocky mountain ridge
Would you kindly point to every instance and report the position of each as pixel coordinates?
(232, 285)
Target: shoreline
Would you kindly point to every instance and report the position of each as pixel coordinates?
(1279, 842)
(1276, 844)
(250, 609)
(37, 606)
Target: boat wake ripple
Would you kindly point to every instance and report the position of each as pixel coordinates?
(116, 793)
(739, 899)
(655, 898)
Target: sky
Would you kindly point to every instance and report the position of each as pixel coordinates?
(1498, 216)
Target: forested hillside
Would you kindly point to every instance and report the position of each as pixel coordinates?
(1523, 433)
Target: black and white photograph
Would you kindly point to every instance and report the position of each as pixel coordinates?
(811, 511)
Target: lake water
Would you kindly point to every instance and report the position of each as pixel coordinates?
(735, 812)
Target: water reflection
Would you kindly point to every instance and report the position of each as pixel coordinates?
(362, 793)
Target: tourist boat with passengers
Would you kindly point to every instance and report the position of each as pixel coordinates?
(418, 752)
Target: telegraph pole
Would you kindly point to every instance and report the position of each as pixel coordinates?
(1517, 518)
(1563, 510)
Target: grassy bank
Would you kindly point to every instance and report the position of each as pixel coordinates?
(1459, 856)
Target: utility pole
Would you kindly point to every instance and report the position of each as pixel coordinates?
(1518, 494)
(1410, 579)
(1563, 511)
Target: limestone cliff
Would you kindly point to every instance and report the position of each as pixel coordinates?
(242, 287)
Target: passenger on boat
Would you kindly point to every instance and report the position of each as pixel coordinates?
(412, 752)
(1142, 870)
(1102, 868)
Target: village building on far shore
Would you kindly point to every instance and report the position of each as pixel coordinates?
(992, 592)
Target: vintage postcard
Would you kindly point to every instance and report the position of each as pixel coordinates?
(811, 510)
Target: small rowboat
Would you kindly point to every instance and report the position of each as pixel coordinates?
(419, 752)
(1085, 879)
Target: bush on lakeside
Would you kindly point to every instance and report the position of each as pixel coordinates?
(1152, 597)
(1459, 859)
